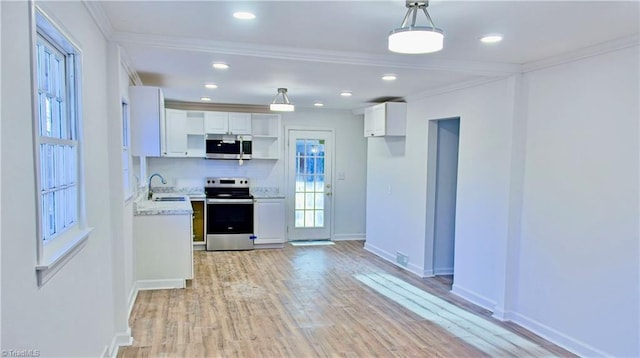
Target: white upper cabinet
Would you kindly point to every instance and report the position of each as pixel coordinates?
(239, 123)
(227, 123)
(146, 106)
(385, 119)
(175, 134)
(216, 122)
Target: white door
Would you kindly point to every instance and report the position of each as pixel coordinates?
(309, 157)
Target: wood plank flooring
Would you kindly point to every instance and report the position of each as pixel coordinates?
(317, 301)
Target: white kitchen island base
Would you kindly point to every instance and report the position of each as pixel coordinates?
(163, 250)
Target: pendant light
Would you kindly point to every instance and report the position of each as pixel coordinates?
(281, 102)
(412, 39)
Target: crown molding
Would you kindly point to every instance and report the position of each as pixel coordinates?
(128, 66)
(595, 50)
(100, 17)
(315, 55)
(453, 87)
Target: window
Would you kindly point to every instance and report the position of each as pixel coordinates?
(57, 123)
(57, 138)
(126, 154)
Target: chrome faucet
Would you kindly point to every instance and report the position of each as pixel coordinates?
(151, 177)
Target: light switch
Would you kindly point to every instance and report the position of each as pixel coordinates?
(340, 175)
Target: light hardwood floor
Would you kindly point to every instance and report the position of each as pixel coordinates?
(317, 301)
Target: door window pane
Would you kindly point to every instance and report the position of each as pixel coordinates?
(319, 222)
(299, 221)
(299, 201)
(308, 218)
(309, 186)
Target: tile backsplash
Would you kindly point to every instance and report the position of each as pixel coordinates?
(266, 176)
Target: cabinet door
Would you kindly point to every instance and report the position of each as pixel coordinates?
(198, 221)
(368, 122)
(146, 109)
(269, 221)
(175, 133)
(216, 122)
(379, 119)
(240, 123)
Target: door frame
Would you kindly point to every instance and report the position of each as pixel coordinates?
(287, 180)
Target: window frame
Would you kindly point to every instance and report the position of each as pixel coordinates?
(57, 250)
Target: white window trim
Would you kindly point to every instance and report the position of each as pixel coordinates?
(55, 253)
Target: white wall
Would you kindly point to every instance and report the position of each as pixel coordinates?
(578, 259)
(350, 158)
(73, 313)
(396, 221)
(547, 203)
(121, 207)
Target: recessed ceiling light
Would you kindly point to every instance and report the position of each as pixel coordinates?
(206, 99)
(318, 104)
(345, 94)
(210, 86)
(220, 65)
(244, 15)
(389, 77)
(491, 38)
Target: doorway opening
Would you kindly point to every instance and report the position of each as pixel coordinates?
(442, 183)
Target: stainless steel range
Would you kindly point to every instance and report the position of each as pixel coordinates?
(229, 214)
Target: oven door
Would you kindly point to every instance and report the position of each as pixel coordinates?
(229, 224)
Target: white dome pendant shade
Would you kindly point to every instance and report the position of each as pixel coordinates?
(416, 39)
(281, 102)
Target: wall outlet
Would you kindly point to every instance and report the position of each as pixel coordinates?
(402, 259)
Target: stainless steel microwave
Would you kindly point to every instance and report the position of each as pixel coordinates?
(221, 146)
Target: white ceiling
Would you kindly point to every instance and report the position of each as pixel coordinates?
(318, 48)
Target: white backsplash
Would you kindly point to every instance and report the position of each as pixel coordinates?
(266, 176)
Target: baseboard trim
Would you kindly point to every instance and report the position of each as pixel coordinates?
(473, 297)
(349, 237)
(120, 339)
(569, 343)
(414, 269)
(133, 294)
(443, 271)
(268, 246)
(502, 315)
(143, 285)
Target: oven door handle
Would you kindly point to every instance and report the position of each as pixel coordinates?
(229, 201)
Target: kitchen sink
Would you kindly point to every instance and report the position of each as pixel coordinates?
(169, 198)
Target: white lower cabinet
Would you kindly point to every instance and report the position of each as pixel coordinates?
(163, 248)
(269, 222)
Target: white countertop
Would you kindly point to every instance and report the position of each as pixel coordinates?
(150, 207)
(267, 196)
